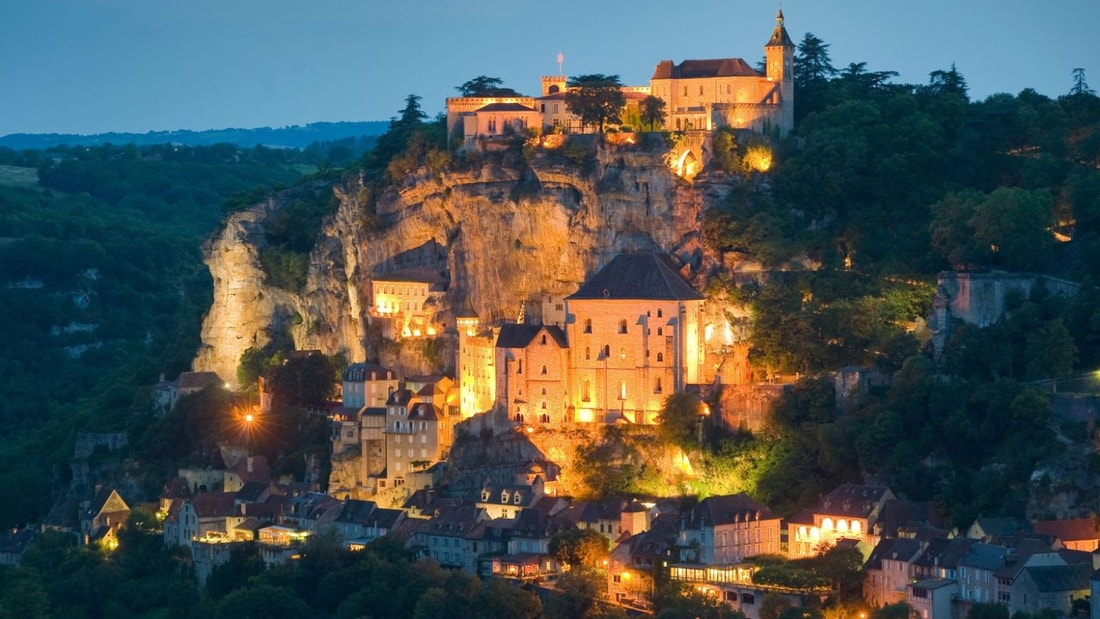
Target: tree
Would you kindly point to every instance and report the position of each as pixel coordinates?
(653, 111)
(482, 86)
(1080, 86)
(595, 98)
(579, 547)
(680, 416)
(679, 601)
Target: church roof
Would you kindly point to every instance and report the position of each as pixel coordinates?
(643, 275)
(520, 335)
(780, 38)
(716, 67)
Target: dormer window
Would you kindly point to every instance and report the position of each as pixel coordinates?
(515, 498)
(484, 496)
(504, 496)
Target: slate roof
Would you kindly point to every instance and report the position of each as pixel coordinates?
(520, 335)
(374, 411)
(984, 556)
(356, 511)
(359, 372)
(400, 397)
(424, 412)
(384, 518)
(906, 550)
(779, 35)
(852, 500)
(714, 67)
(214, 504)
(251, 491)
(1057, 578)
(721, 510)
(945, 553)
(993, 527)
(642, 275)
(505, 107)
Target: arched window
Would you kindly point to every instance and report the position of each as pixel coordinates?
(543, 339)
(543, 371)
(519, 367)
(660, 313)
(544, 405)
(587, 353)
(586, 393)
(657, 385)
(660, 331)
(544, 391)
(622, 353)
(827, 524)
(606, 351)
(622, 326)
(588, 325)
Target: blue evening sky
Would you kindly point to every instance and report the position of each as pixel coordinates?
(89, 66)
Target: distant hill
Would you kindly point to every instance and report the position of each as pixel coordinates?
(298, 136)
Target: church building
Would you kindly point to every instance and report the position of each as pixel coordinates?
(632, 337)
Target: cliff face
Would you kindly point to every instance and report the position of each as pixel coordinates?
(506, 230)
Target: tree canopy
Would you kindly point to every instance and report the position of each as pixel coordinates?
(596, 99)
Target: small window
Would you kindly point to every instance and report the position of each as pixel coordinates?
(588, 325)
(519, 368)
(587, 353)
(622, 353)
(660, 331)
(544, 339)
(660, 314)
(543, 371)
(660, 357)
(657, 386)
(606, 351)
(622, 326)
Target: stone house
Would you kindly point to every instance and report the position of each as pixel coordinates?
(850, 512)
(419, 429)
(728, 529)
(509, 501)
(889, 570)
(932, 598)
(1050, 586)
(977, 573)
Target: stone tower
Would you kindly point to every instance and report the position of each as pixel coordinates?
(779, 54)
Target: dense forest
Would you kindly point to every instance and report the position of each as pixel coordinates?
(880, 186)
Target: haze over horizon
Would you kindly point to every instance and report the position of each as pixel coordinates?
(95, 66)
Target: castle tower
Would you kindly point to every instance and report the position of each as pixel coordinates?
(553, 84)
(779, 55)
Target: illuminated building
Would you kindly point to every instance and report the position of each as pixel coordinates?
(729, 92)
(632, 337)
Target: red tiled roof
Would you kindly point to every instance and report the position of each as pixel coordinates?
(1068, 530)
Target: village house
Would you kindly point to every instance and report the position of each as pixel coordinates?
(103, 517)
(532, 361)
(889, 570)
(1076, 534)
(419, 428)
(728, 529)
(849, 512)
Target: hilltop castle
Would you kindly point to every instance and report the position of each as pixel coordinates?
(698, 95)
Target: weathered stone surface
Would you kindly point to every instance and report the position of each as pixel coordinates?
(508, 231)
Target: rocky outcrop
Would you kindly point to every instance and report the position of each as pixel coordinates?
(508, 230)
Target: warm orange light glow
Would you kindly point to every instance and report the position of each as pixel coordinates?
(248, 418)
(758, 158)
(585, 415)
